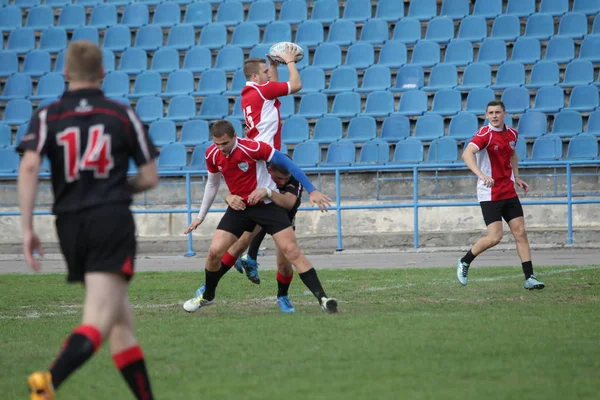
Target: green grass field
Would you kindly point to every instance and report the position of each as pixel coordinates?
(400, 334)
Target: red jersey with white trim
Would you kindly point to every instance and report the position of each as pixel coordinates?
(493, 158)
(260, 105)
(245, 169)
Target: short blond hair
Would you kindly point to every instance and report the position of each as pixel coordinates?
(83, 61)
(252, 66)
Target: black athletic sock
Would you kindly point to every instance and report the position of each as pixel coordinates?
(223, 270)
(227, 262)
(78, 348)
(255, 245)
(312, 282)
(468, 258)
(133, 368)
(211, 280)
(527, 269)
(283, 284)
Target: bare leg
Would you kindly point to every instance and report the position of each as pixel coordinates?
(517, 227)
(493, 237)
(222, 240)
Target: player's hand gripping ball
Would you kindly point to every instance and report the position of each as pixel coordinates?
(278, 49)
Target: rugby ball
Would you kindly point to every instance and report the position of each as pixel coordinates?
(278, 48)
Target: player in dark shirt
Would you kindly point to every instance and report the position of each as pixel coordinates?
(89, 140)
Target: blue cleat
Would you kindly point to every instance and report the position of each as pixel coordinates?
(533, 284)
(238, 265)
(251, 268)
(285, 305)
(201, 290)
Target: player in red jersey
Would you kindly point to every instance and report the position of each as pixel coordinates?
(492, 157)
(242, 163)
(89, 141)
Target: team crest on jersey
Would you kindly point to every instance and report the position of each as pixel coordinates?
(83, 106)
(243, 166)
(512, 145)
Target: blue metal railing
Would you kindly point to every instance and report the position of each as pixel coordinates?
(339, 207)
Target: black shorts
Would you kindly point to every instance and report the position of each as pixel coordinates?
(100, 239)
(494, 211)
(270, 217)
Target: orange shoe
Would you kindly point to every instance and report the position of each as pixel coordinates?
(40, 386)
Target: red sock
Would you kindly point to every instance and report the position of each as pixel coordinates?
(133, 368)
(283, 284)
(286, 280)
(228, 260)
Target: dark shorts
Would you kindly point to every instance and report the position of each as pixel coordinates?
(494, 211)
(270, 217)
(101, 239)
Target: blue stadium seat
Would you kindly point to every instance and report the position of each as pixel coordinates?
(181, 37)
(181, 108)
(86, 33)
(165, 60)
(310, 33)
(343, 79)
(108, 59)
(307, 154)
(578, 72)
(89, 3)
(492, 51)
(313, 105)
(21, 40)
(40, 17)
(477, 100)
(10, 18)
(327, 56)
(236, 112)
(440, 30)
(521, 149)
(245, 35)
(590, 49)
(163, 132)
(543, 73)
(214, 36)
(376, 77)
(476, 75)
(116, 84)
(567, 123)
(463, 126)
(409, 77)
(455, 9)
(197, 59)
(137, 15)
(393, 54)
(442, 150)
(374, 151)
(17, 111)
(57, 3)
(526, 50)
(593, 125)
(230, 58)
(446, 102)
(413, 102)
(198, 159)
(549, 99)
(53, 40)
(532, 125)
(547, 147)
(357, 10)
(554, 7)
(426, 53)
(50, 86)
(573, 25)
(148, 83)
(117, 38)
(516, 100)
(473, 29)
(584, 98)
(409, 151)
(9, 161)
(293, 11)
(121, 100)
(520, 8)
(375, 31)
(510, 74)
(277, 32)
(213, 81)
(17, 86)
(172, 156)
(506, 27)
(237, 84)
(194, 133)
(5, 135)
(325, 11)
(230, 13)
(179, 82)
(103, 16)
(21, 131)
(488, 8)
(588, 7)
(261, 13)
(389, 10)
(539, 26)
(167, 15)
(294, 130)
(429, 126)
(341, 152)
(459, 52)
(214, 106)
(304, 62)
(198, 14)
(59, 63)
(149, 108)
(395, 127)
(327, 130)
(442, 76)
(37, 63)
(422, 10)
(149, 38)
(287, 107)
(379, 104)
(342, 33)
(313, 80)
(407, 30)
(362, 129)
(582, 146)
(560, 49)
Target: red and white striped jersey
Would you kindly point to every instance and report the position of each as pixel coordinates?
(496, 147)
(261, 111)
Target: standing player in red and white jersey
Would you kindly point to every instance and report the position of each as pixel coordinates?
(492, 157)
